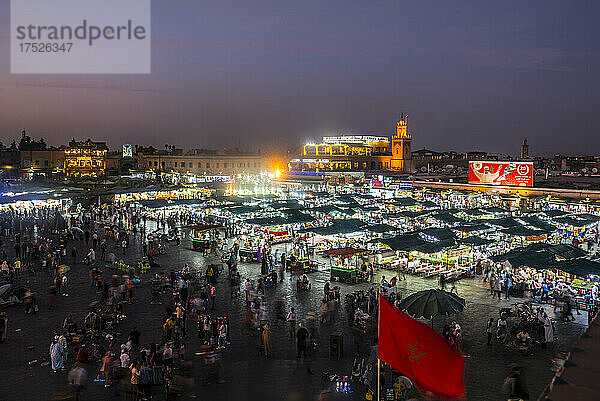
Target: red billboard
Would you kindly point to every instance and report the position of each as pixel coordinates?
(518, 174)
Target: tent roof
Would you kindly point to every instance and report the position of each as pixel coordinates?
(447, 218)
(381, 228)
(404, 201)
(472, 227)
(554, 213)
(505, 222)
(344, 252)
(414, 242)
(339, 226)
(579, 267)
(475, 241)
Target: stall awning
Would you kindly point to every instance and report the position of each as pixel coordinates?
(429, 205)
(405, 202)
(506, 222)
(554, 213)
(523, 231)
(581, 267)
(381, 228)
(475, 241)
(407, 213)
(538, 223)
(327, 209)
(447, 218)
(339, 226)
(343, 252)
(472, 227)
(244, 209)
(414, 242)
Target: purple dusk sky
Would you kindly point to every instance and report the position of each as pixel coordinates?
(471, 74)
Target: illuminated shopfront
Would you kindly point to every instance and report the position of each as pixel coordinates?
(85, 159)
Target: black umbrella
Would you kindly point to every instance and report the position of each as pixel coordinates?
(431, 303)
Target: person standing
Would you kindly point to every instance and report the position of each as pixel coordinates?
(266, 339)
(489, 331)
(498, 284)
(548, 330)
(63, 285)
(301, 337)
(56, 355)
(213, 296)
(291, 319)
(3, 326)
(508, 286)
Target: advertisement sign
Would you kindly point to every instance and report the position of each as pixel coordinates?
(501, 173)
(377, 182)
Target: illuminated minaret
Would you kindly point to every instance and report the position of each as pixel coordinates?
(401, 146)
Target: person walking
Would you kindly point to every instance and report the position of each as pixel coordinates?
(266, 340)
(489, 331)
(3, 326)
(291, 319)
(213, 296)
(492, 284)
(78, 380)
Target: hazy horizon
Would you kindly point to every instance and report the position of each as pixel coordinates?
(471, 75)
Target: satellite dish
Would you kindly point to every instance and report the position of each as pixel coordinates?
(423, 169)
(594, 170)
(449, 166)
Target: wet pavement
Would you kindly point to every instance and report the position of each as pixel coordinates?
(247, 374)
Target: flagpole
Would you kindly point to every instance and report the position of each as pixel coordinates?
(378, 360)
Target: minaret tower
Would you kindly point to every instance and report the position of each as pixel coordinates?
(401, 146)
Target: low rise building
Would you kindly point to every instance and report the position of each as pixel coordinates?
(85, 159)
(203, 162)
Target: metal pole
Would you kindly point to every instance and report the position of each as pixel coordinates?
(378, 360)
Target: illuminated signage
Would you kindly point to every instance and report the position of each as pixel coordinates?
(501, 173)
(127, 150)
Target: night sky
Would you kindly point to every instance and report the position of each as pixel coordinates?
(471, 74)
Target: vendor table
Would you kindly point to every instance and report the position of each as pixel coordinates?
(347, 275)
(248, 255)
(303, 265)
(200, 244)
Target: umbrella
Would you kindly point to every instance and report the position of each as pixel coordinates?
(431, 303)
(4, 289)
(404, 382)
(77, 229)
(62, 269)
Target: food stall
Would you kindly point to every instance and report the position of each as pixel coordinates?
(345, 264)
(203, 235)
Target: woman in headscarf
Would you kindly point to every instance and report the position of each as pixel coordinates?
(56, 355)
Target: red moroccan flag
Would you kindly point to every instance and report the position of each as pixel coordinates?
(418, 352)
